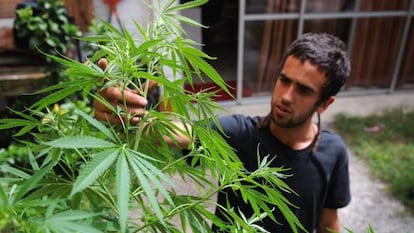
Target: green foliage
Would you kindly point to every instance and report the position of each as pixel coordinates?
(389, 151)
(47, 27)
(89, 176)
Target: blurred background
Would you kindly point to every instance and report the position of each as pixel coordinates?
(249, 37)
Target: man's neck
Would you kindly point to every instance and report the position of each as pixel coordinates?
(296, 138)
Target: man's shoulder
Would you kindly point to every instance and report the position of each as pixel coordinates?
(239, 119)
(332, 147)
(329, 137)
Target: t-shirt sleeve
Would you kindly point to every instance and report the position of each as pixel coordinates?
(339, 194)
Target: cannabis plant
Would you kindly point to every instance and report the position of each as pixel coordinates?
(83, 175)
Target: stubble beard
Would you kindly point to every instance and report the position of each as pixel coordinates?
(291, 123)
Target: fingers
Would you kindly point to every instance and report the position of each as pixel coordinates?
(130, 97)
(129, 102)
(103, 63)
(102, 113)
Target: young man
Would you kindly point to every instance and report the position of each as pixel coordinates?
(311, 73)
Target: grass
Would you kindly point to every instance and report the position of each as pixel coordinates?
(389, 152)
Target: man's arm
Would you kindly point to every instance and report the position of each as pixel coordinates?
(329, 221)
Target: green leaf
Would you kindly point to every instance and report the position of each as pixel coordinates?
(64, 222)
(50, 42)
(193, 56)
(77, 142)
(6, 168)
(32, 182)
(188, 21)
(4, 200)
(187, 5)
(56, 97)
(71, 215)
(101, 127)
(77, 69)
(142, 174)
(11, 123)
(155, 175)
(123, 188)
(98, 165)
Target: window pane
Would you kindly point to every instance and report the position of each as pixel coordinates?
(375, 50)
(383, 5)
(318, 6)
(265, 45)
(338, 27)
(272, 6)
(406, 77)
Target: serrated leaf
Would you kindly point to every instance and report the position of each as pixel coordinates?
(93, 169)
(187, 5)
(155, 175)
(77, 142)
(32, 182)
(123, 187)
(56, 97)
(65, 222)
(71, 215)
(76, 68)
(101, 127)
(5, 168)
(27, 125)
(139, 171)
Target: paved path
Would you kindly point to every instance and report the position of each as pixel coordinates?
(371, 205)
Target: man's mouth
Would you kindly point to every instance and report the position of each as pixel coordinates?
(282, 110)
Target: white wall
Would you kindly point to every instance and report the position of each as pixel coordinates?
(6, 22)
(129, 11)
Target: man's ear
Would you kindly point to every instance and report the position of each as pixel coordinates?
(325, 104)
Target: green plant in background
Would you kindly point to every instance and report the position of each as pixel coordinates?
(83, 175)
(389, 150)
(45, 26)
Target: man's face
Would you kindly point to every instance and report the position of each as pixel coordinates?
(296, 92)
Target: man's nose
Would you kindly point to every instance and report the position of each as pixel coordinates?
(288, 93)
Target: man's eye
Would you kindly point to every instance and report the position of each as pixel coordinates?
(283, 79)
(305, 90)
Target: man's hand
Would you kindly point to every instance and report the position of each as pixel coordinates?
(135, 103)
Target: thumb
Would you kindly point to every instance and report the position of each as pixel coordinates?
(103, 63)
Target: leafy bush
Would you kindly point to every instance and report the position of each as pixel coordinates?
(46, 26)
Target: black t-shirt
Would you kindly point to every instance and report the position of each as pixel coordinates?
(310, 173)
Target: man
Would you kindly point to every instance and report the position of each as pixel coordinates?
(311, 73)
